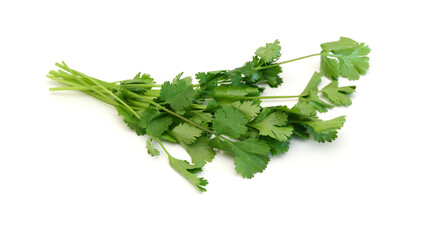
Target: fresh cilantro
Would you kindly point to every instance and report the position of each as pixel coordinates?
(338, 95)
(249, 108)
(186, 133)
(151, 148)
(230, 122)
(225, 111)
(352, 60)
(250, 154)
(271, 52)
(200, 151)
(179, 95)
(188, 171)
(273, 125)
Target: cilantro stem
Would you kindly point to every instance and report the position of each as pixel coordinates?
(146, 85)
(273, 97)
(163, 147)
(93, 94)
(104, 88)
(288, 61)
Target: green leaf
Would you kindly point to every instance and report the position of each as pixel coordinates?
(276, 146)
(151, 148)
(208, 82)
(313, 83)
(273, 125)
(230, 122)
(251, 75)
(131, 120)
(188, 171)
(271, 75)
(178, 95)
(352, 57)
(250, 154)
(186, 133)
(154, 121)
(159, 125)
(179, 78)
(342, 43)
(310, 104)
(330, 68)
(269, 53)
(249, 108)
(200, 151)
(325, 130)
(199, 116)
(338, 95)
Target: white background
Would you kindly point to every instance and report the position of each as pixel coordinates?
(70, 168)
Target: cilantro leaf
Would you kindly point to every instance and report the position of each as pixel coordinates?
(311, 103)
(188, 171)
(151, 148)
(271, 52)
(249, 108)
(159, 125)
(271, 75)
(251, 75)
(325, 130)
(329, 67)
(179, 78)
(154, 121)
(313, 83)
(200, 151)
(138, 79)
(338, 95)
(250, 154)
(273, 125)
(131, 120)
(199, 116)
(208, 82)
(276, 146)
(178, 95)
(230, 122)
(352, 60)
(186, 133)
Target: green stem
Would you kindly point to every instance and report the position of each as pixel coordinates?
(105, 89)
(288, 61)
(93, 94)
(273, 97)
(163, 147)
(146, 85)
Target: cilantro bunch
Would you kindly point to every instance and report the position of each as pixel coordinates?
(222, 112)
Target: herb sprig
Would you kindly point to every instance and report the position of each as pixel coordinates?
(222, 112)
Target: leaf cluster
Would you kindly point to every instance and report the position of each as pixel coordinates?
(223, 111)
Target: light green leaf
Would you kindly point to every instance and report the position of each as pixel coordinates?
(188, 171)
(200, 151)
(352, 57)
(338, 95)
(186, 133)
(151, 148)
(249, 108)
(273, 126)
(199, 116)
(269, 53)
(325, 130)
